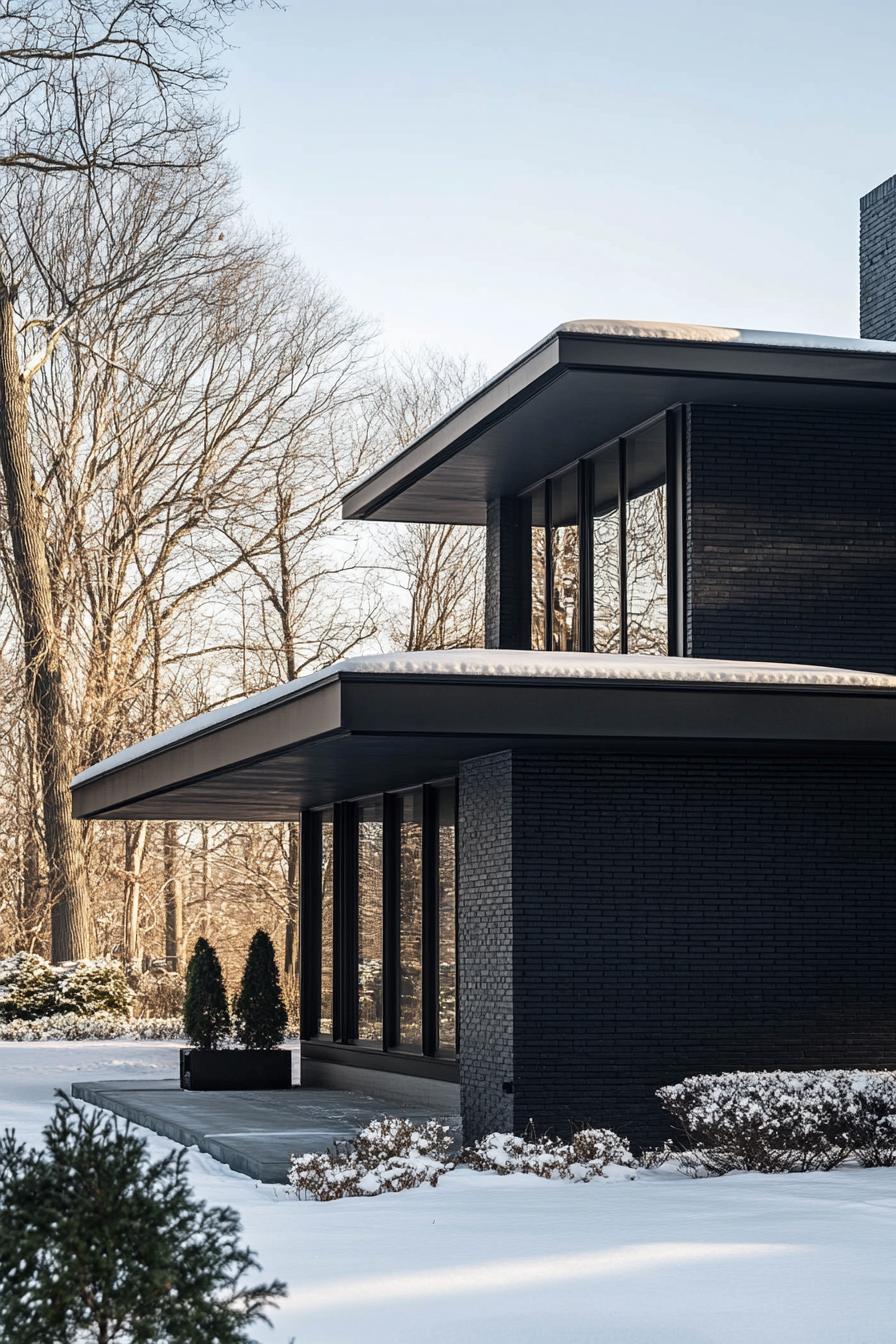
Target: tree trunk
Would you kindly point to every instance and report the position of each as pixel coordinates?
(134, 850)
(291, 948)
(71, 924)
(174, 900)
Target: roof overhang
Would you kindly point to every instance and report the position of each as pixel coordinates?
(586, 383)
(350, 734)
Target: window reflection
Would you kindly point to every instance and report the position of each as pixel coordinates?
(410, 922)
(564, 562)
(645, 541)
(326, 923)
(370, 921)
(606, 619)
(539, 558)
(445, 802)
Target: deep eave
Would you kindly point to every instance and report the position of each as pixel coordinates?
(352, 734)
(579, 388)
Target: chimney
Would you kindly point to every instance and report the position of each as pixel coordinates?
(877, 263)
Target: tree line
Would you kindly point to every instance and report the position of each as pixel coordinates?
(182, 405)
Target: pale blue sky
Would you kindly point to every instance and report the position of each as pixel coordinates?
(470, 173)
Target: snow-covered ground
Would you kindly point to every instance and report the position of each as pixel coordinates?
(738, 1260)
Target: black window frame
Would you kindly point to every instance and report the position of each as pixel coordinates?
(345, 926)
(675, 430)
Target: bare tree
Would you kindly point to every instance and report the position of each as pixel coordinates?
(438, 568)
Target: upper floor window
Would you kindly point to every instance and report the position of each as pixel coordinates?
(601, 547)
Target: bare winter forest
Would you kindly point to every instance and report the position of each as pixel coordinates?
(182, 405)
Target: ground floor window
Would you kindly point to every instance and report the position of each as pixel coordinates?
(379, 898)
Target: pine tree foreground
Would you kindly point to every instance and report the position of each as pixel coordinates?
(259, 1013)
(206, 1018)
(98, 1242)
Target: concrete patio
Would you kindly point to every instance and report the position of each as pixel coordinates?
(253, 1132)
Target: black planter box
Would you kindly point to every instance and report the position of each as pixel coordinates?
(232, 1070)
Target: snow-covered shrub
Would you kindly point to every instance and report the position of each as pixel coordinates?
(99, 1027)
(387, 1156)
(872, 1119)
(90, 987)
(589, 1153)
(769, 1122)
(27, 986)
(31, 988)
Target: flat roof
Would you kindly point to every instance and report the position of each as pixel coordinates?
(390, 721)
(590, 380)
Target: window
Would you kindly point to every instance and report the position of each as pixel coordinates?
(564, 532)
(325, 1019)
(410, 922)
(445, 802)
(607, 609)
(539, 562)
(645, 541)
(603, 532)
(370, 921)
(379, 897)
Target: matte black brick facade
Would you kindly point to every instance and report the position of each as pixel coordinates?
(791, 536)
(877, 263)
(662, 915)
(508, 561)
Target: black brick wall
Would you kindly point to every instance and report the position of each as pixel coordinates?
(877, 263)
(791, 536)
(668, 915)
(508, 584)
(485, 943)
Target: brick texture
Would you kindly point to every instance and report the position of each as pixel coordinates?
(791, 535)
(877, 263)
(664, 915)
(508, 561)
(485, 943)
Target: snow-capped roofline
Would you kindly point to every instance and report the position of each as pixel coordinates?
(442, 474)
(508, 665)
(700, 334)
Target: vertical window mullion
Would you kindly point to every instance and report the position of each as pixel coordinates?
(586, 556)
(623, 548)
(548, 570)
(390, 920)
(430, 922)
(309, 946)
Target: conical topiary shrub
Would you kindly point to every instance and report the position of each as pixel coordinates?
(259, 1013)
(206, 1019)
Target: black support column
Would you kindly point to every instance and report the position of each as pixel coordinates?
(508, 574)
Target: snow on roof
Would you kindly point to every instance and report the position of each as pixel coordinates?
(677, 331)
(507, 663)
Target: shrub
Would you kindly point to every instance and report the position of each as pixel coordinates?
(589, 1153)
(89, 987)
(97, 1241)
(100, 1027)
(27, 986)
(259, 1013)
(206, 1018)
(158, 994)
(767, 1122)
(386, 1156)
(872, 1119)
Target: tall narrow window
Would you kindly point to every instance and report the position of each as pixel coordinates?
(607, 618)
(326, 923)
(410, 922)
(447, 893)
(564, 562)
(370, 921)
(539, 561)
(646, 548)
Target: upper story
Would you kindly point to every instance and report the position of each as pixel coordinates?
(698, 491)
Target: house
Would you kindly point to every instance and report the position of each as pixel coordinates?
(648, 831)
